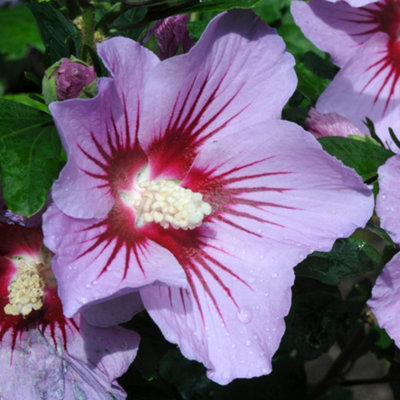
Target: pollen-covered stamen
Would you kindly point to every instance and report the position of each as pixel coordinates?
(26, 289)
(165, 202)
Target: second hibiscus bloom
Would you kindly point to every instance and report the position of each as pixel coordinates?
(183, 183)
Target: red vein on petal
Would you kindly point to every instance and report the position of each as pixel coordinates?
(247, 215)
(223, 267)
(231, 223)
(183, 300)
(206, 288)
(218, 280)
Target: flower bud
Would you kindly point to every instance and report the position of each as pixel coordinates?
(68, 79)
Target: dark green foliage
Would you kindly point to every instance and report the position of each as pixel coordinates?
(29, 156)
(59, 35)
(348, 257)
(364, 155)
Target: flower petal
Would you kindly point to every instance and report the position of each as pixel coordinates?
(368, 86)
(388, 199)
(95, 261)
(99, 134)
(355, 3)
(77, 191)
(338, 29)
(129, 64)
(39, 367)
(114, 311)
(385, 300)
(276, 197)
(214, 87)
(231, 320)
(277, 182)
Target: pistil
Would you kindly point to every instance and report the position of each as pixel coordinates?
(167, 203)
(26, 289)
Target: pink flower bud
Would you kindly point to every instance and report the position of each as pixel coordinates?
(71, 77)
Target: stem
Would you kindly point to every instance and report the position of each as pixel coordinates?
(88, 29)
(330, 378)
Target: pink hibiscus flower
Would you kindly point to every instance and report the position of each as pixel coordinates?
(43, 354)
(364, 42)
(385, 300)
(181, 175)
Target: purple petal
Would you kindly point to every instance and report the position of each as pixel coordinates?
(385, 300)
(277, 181)
(331, 124)
(100, 259)
(99, 134)
(338, 29)
(114, 311)
(276, 197)
(355, 3)
(77, 191)
(86, 368)
(368, 86)
(388, 199)
(215, 87)
(129, 64)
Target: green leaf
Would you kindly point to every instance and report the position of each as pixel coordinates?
(271, 11)
(348, 257)
(29, 156)
(362, 154)
(18, 30)
(310, 85)
(296, 42)
(28, 100)
(60, 36)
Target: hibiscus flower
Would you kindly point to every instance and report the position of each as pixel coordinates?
(385, 300)
(43, 354)
(183, 183)
(364, 42)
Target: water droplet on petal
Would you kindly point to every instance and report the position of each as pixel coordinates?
(248, 342)
(252, 279)
(245, 315)
(274, 274)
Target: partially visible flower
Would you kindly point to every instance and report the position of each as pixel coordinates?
(330, 124)
(43, 354)
(181, 175)
(68, 79)
(9, 217)
(355, 3)
(364, 42)
(171, 33)
(385, 300)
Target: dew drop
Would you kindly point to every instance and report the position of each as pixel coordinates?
(264, 371)
(252, 280)
(245, 315)
(248, 342)
(226, 375)
(274, 275)
(233, 345)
